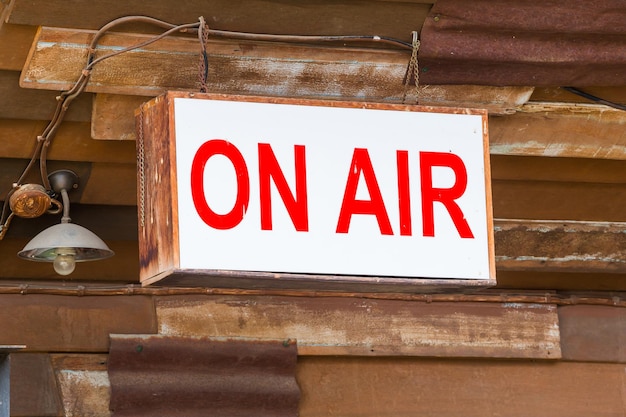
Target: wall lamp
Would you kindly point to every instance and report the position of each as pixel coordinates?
(66, 243)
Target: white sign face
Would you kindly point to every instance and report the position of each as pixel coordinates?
(331, 190)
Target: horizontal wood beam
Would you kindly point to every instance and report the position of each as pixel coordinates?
(73, 324)
(368, 386)
(257, 68)
(370, 328)
(560, 130)
(72, 142)
(560, 246)
(546, 129)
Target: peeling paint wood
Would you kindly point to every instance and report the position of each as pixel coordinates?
(83, 384)
(112, 113)
(242, 68)
(560, 246)
(331, 326)
(172, 63)
(375, 387)
(561, 130)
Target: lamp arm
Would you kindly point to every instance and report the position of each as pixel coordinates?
(66, 206)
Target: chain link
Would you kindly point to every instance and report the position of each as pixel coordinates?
(412, 71)
(142, 170)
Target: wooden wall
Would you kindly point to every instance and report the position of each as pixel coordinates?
(366, 356)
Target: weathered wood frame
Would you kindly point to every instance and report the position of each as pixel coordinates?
(158, 211)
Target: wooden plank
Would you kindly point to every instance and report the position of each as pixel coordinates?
(559, 129)
(262, 69)
(566, 281)
(172, 63)
(34, 391)
(110, 107)
(15, 41)
(83, 382)
(112, 113)
(551, 200)
(72, 142)
(336, 326)
(72, 324)
(593, 333)
(573, 170)
(560, 246)
(18, 103)
(324, 17)
(446, 388)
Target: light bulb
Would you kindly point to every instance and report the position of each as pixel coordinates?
(65, 261)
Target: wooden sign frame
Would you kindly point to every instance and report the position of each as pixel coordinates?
(158, 211)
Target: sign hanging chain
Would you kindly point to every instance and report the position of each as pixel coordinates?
(203, 67)
(412, 71)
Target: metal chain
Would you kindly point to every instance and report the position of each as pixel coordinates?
(203, 67)
(412, 71)
(142, 170)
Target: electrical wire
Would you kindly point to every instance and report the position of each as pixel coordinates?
(65, 98)
(596, 99)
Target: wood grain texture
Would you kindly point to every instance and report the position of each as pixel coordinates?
(386, 387)
(276, 69)
(72, 142)
(72, 324)
(333, 326)
(560, 130)
(112, 113)
(561, 246)
(83, 384)
(33, 387)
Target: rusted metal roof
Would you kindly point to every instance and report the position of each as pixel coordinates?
(521, 42)
(154, 375)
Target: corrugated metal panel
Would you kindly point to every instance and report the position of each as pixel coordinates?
(521, 42)
(171, 376)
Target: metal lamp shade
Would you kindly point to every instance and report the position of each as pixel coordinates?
(87, 246)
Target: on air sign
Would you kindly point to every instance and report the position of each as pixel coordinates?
(314, 191)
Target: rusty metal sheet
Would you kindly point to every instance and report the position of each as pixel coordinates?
(518, 42)
(154, 375)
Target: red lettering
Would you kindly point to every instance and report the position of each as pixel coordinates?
(361, 163)
(446, 196)
(211, 218)
(296, 207)
(404, 193)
